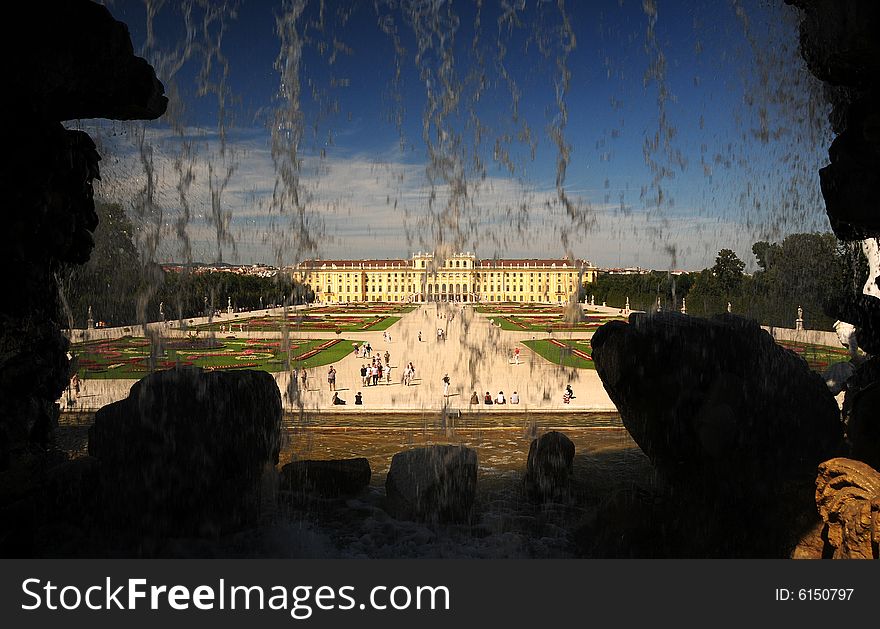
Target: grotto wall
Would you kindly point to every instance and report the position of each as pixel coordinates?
(62, 60)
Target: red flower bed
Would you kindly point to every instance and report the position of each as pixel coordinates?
(317, 350)
(575, 351)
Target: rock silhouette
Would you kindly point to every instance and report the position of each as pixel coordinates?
(185, 452)
(66, 61)
(717, 402)
(333, 478)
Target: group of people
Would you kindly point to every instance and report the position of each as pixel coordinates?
(499, 399)
(373, 373)
(338, 401)
(365, 350)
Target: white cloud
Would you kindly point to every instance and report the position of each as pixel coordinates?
(360, 206)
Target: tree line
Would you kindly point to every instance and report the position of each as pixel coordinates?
(123, 290)
(811, 271)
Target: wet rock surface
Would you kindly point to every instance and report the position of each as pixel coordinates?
(549, 467)
(339, 477)
(848, 499)
(717, 402)
(189, 448)
(862, 410)
(435, 483)
(840, 45)
(70, 61)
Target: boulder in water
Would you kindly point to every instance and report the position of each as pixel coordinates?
(333, 478)
(185, 452)
(549, 467)
(435, 483)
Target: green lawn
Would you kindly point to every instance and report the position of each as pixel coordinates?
(554, 323)
(384, 324)
(518, 308)
(128, 357)
(818, 357)
(565, 355)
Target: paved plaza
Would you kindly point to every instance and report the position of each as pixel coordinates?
(476, 354)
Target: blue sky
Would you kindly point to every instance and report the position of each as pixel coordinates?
(365, 181)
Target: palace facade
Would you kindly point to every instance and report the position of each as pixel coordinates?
(460, 277)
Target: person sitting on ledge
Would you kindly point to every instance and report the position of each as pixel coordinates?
(487, 399)
(337, 400)
(500, 399)
(358, 399)
(475, 399)
(514, 398)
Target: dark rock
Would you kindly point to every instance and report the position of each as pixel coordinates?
(860, 408)
(863, 311)
(435, 483)
(71, 490)
(839, 40)
(840, 45)
(849, 184)
(717, 401)
(550, 466)
(189, 448)
(64, 60)
(80, 64)
(326, 478)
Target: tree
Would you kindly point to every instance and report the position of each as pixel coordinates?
(728, 271)
(806, 270)
(111, 277)
(765, 253)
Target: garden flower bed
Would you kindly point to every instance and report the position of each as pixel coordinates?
(818, 357)
(130, 357)
(303, 323)
(569, 353)
(551, 323)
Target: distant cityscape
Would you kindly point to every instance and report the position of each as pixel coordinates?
(267, 270)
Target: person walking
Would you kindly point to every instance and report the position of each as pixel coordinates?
(363, 374)
(387, 357)
(304, 376)
(420, 336)
(516, 356)
(331, 378)
(446, 385)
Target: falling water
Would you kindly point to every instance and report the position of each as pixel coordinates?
(178, 177)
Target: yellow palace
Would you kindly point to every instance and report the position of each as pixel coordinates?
(459, 278)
